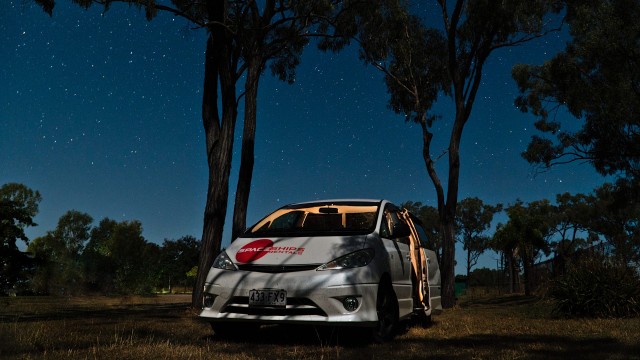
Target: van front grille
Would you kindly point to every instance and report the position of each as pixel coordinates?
(295, 306)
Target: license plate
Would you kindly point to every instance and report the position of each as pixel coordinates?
(268, 297)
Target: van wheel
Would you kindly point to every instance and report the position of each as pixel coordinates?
(387, 309)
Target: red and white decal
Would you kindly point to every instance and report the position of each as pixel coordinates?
(259, 248)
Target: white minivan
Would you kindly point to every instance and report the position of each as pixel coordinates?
(333, 262)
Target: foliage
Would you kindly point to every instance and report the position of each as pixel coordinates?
(99, 267)
(178, 259)
(597, 287)
(119, 260)
(616, 215)
(597, 79)
(58, 254)
(18, 207)
(473, 218)
(193, 272)
(524, 237)
(127, 253)
(485, 277)
(111, 258)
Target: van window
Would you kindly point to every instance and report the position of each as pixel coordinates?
(287, 220)
(422, 235)
(316, 219)
(390, 222)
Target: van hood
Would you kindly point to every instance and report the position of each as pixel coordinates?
(293, 250)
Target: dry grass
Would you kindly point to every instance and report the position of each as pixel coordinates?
(164, 327)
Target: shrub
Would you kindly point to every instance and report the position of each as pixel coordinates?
(599, 288)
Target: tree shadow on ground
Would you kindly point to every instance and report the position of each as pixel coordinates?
(354, 341)
(165, 311)
(472, 346)
(533, 346)
(511, 300)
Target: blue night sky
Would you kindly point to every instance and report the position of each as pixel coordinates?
(101, 114)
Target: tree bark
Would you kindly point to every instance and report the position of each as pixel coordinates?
(511, 267)
(448, 261)
(219, 131)
(447, 224)
(448, 210)
(468, 260)
(527, 265)
(248, 145)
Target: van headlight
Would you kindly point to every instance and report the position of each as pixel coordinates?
(223, 262)
(355, 259)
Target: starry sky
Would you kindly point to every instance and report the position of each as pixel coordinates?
(100, 112)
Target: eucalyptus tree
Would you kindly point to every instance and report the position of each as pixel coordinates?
(597, 80)
(524, 236)
(617, 218)
(244, 37)
(473, 219)
(505, 240)
(18, 207)
(422, 61)
(99, 266)
(128, 250)
(118, 259)
(59, 252)
(570, 220)
(177, 258)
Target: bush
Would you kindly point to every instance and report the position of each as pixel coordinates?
(597, 288)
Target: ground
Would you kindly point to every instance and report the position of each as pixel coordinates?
(487, 327)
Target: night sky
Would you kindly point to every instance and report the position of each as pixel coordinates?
(101, 114)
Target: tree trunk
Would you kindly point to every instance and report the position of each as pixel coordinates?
(248, 144)
(448, 260)
(447, 224)
(219, 140)
(512, 274)
(468, 263)
(449, 241)
(527, 265)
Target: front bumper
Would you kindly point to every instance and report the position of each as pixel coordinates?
(313, 297)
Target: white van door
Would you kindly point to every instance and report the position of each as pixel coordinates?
(398, 250)
(434, 279)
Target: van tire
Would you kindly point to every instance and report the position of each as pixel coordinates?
(387, 309)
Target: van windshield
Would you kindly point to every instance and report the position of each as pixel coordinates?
(344, 218)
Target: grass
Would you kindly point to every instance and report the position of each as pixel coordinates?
(164, 327)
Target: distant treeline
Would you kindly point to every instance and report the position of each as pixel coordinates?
(609, 217)
(114, 258)
(79, 258)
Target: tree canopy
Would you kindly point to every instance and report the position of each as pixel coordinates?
(59, 254)
(110, 258)
(597, 80)
(524, 236)
(473, 219)
(18, 207)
